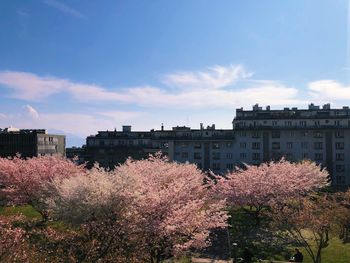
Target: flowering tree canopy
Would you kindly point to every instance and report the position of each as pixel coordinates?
(164, 207)
(174, 206)
(23, 181)
(270, 183)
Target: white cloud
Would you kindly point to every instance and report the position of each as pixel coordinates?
(214, 78)
(216, 87)
(64, 8)
(330, 90)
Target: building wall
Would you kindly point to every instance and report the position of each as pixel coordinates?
(30, 143)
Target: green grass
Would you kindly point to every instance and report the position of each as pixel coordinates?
(26, 210)
(336, 252)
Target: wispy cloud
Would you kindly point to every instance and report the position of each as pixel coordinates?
(214, 78)
(64, 8)
(216, 87)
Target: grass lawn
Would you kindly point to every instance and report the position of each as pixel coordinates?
(336, 252)
(25, 210)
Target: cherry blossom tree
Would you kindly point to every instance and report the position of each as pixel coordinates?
(100, 204)
(23, 181)
(151, 208)
(258, 187)
(309, 221)
(175, 209)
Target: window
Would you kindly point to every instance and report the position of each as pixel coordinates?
(197, 145)
(256, 145)
(256, 156)
(229, 155)
(255, 134)
(289, 145)
(276, 146)
(229, 166)
(274, 123)
(229, 145)
(339, 156)
(304, 145)
(317, 123)
(242, 145)
(305, 156)
(304, 133)
(318, 157)
(339, 134)
(339, 145)
(289, 156)
(243, 156)
(184, 154)
(242, 134)
(291, 134)
(275, 134)
(288, 123)
(302, 123)
(216, 166)
(340, 168)
(276, 156)
(183, 144)
(197, 156)
(318, 145)
(318, 134)
(340, 179)
(216, 155)
(216, 145)
(337, 123)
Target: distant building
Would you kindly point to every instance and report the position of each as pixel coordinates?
(76, 154)
(318, 134)
(30, 143)
(258, 135)
(110, 148)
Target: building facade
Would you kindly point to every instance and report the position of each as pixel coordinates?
(320, 134)
(30, 143)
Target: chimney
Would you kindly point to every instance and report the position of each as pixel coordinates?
(162, 127)
(201, 126)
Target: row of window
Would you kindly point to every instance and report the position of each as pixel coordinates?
(290, 156)
(277, 134)
(215, 145)
(217, 166)
(292, 124)
(304, 145)
(198, 155)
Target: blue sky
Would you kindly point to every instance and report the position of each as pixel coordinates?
(77, 66)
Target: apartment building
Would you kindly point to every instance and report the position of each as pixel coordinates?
(320, 134)
(30, 142)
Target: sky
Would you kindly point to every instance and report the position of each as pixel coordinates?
(76, 67)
